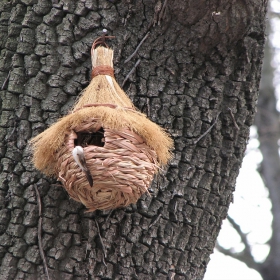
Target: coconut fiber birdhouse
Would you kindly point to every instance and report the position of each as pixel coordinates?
(104, 151)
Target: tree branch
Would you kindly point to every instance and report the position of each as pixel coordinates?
(242, 235)
(243, 256)
(240, 256)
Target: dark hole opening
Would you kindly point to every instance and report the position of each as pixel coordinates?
(90, 138)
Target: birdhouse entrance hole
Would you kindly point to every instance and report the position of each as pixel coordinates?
(85, 139)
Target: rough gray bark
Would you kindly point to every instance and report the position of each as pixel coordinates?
(267, 122)
(200, 67)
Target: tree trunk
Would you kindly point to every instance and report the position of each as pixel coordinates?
(267, 121)
(198, 77)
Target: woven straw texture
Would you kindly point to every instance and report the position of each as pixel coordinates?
(123, 151)
(122, 169)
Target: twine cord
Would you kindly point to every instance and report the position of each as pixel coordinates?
(100, 41)
(102, 70)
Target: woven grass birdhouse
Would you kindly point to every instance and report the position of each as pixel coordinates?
(104, 151)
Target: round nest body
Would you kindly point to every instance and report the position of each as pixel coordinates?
(121, 164)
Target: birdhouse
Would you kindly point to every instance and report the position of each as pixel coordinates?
(105, 152)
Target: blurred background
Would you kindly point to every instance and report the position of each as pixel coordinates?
(248, 246)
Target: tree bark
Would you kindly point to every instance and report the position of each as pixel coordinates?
(198, 77)
(267, 121)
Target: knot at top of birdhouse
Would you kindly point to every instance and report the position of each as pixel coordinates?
(102, 70)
